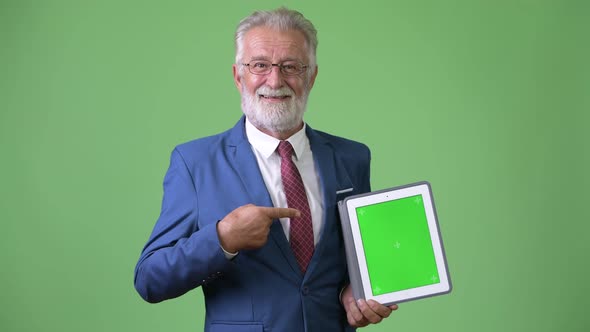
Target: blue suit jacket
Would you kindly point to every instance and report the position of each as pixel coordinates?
(262, 289)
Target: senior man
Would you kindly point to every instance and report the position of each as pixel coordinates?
(250, 215)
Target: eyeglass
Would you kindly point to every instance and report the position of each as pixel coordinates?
(287, 68)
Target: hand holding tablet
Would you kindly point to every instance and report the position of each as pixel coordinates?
(393, 245)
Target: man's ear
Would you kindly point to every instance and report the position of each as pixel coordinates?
(313, 76)
(237, 80)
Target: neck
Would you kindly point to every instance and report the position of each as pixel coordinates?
(282, 135)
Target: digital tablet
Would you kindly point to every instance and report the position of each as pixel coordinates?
(393, 245)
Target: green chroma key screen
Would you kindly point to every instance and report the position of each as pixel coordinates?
(397, 245)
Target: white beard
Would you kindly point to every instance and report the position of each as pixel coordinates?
(275, 117)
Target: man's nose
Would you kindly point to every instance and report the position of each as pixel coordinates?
(274, 79)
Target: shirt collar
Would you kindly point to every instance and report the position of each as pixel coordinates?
(266, 145)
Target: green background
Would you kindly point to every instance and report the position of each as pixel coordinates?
(397, 245)
(487, 100)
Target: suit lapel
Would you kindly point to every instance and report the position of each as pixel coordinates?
(333, 177)
(247, 168)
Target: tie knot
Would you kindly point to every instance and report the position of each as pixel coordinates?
(285, 149)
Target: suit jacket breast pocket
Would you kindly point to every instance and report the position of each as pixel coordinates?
(343, 193)
(236, 327)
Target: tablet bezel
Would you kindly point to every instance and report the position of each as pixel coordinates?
(423, 189)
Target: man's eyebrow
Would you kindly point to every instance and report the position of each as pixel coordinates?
(291, 59)
(265, 58)
(260, 57)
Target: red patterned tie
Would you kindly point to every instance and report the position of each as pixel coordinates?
(301, 230)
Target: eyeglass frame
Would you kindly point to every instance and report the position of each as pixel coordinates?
(304, 67)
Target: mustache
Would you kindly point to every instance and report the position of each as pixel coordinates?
(270, 92)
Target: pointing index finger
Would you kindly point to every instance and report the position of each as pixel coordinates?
(274, 213)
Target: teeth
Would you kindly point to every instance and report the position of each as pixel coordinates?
(265, 96)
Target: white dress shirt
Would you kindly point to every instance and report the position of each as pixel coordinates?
(269, 162)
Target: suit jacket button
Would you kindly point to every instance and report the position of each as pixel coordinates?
(305, 290)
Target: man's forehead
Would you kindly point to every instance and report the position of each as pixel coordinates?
(262, 39)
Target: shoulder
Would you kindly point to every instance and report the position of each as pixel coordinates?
(215, 143)
(206, 148)
(346, 148)
(204, 143)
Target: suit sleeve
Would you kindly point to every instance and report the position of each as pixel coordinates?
(365, 178)
(364, 186)
(178, 256)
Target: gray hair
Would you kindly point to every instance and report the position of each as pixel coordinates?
(281, 19)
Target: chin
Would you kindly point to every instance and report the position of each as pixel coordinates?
(276, 122)
(276, 117)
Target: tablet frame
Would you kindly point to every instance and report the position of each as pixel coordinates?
(355, 256)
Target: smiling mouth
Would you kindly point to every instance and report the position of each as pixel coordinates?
(268, 97)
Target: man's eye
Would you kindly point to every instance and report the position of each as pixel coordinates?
(260, 65)
(291, 67)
